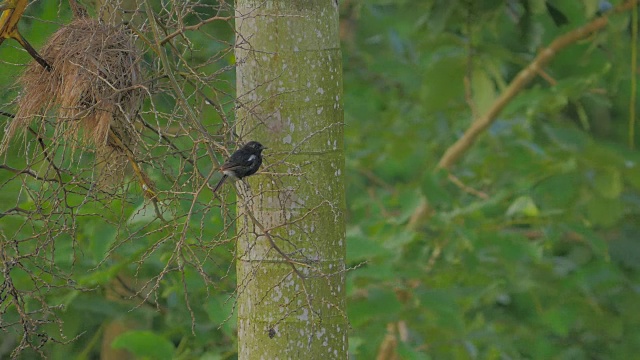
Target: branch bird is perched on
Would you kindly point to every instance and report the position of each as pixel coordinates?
(242, 163)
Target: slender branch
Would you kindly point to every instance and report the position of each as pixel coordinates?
(479, 125)
(34, 54)
(454, 179)
(145, 183)
(180, 97)
(26, 171)
(15, 210)
(194, 27)
(6, 114)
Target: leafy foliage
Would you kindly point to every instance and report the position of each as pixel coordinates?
(84, 263)
(538, 261)
(536, 256)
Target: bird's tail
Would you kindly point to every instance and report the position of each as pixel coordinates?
(224, 177)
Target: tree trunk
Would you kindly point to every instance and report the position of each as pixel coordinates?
(291, 248)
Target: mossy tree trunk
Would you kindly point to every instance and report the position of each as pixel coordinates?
(291, 250)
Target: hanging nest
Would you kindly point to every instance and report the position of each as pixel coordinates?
(92, 92)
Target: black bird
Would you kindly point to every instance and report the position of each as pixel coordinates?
(242, 163)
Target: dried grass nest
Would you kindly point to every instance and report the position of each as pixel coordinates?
(93, 91)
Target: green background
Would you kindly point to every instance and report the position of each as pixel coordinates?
(542, 264)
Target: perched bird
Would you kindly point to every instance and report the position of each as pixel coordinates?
(242, 163)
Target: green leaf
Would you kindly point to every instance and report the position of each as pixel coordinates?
(596, 242)
(441, 308)
(608, 183)
(374, 271)
(567, 138)
(445, 76)
(409, 353)
(433, 190)
(604, 212)
(591, 7)
(632, 175)
(558, 191)
(441, 15)
(361, 247)
(537, 6)
(354, 343)
(398, 239)
(483, 90)
(560, 320)
(145, 345)
(625, 249)
(523, 206)
(378, 303)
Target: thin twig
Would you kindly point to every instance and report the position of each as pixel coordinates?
(479, 125)
(194, 27)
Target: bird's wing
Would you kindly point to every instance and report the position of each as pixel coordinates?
(238, 159)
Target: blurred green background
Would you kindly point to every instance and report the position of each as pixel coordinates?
(540, 260)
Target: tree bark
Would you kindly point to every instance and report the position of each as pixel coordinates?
(291, 248)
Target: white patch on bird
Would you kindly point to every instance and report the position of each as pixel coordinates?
(251, 158)
(230, 174)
